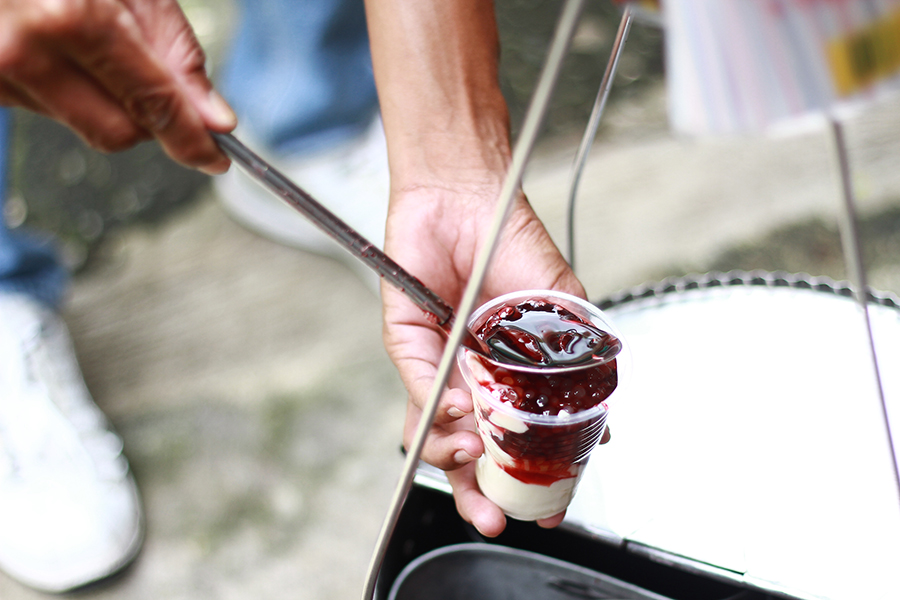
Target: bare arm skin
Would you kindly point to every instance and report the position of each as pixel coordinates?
(447, 127)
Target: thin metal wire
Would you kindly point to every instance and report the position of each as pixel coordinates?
(850, 241)
(534, 117)
(590, 132)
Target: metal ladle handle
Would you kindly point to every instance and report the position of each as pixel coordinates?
(328, 222)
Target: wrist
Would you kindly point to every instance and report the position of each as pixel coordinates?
(465, 141)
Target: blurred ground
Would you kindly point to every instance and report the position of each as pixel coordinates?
(259, 410)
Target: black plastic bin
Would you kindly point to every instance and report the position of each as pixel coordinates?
(435, 555)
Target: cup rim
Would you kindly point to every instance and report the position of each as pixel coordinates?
(597, 316)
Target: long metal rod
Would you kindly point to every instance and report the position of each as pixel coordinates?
(590, 132)
(433, 305)
(850, 241)
(534, 117)
(328, 222)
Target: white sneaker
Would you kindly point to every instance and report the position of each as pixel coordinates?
(69, 508)
(352, 181)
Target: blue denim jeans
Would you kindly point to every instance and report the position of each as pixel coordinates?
(299, 74)
(28, 264)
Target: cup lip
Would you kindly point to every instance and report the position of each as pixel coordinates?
(597, 317)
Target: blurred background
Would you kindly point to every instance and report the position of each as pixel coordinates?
(259, 410)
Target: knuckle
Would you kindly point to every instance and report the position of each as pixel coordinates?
(85, 23)
(194, 57)
(154, 109)
(19, 63)
(58, 18)
(13, 54)
(41, 22)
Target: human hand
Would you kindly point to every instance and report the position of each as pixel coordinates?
(436, 234)
(117, 72)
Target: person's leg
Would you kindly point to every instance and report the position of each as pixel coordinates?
(69, 509)
(300, 78)
(300, 74)
(28, 265)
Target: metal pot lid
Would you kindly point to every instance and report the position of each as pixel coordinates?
(750, 442)
(477, 570)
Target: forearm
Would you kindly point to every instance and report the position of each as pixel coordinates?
(436, 67)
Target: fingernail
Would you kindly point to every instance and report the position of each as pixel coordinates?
(455, 412)
(221, 111)
(210, 170)
(462, 457)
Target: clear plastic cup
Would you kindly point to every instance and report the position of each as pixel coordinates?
(533, 462)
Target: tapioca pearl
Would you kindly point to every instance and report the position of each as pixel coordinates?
(521, 379)
(509, 395)
(498, 391)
